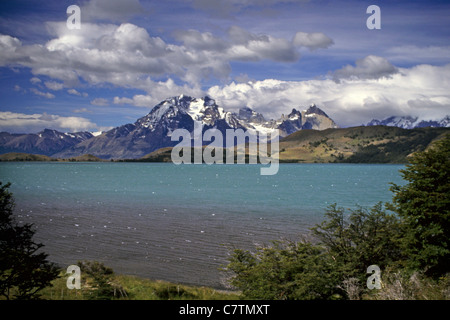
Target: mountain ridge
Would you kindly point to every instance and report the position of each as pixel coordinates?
(409, 122)
(46, 142)
(154, 130)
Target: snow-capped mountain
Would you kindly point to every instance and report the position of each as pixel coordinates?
(407, 122)
(154, 130)
(312, 118)
(46, 142)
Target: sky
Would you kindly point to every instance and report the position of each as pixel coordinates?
(269, 55)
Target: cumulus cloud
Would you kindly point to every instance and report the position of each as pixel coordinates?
(202, 41)
(126, 55)
(138, 100)
(30, 123)
(35, 80)
(158, 91)
(418, 91)
(312, 41)
(100, 102)
(9, 49)
(55, 86)
(77, 93)
(47, 95)
(82, 110)
(370, 67)
(248, 46)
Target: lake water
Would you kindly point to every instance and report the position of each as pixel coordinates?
(177, 223)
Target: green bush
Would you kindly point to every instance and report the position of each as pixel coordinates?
(424, 206)
(347, 243)
(284, 270)
(359, 238)
(24, 269)
(99, 278)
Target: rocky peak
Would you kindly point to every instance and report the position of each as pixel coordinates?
(249, 115)
(313, 109)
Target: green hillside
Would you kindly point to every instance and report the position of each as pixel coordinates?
(16, 156)
(377, 144)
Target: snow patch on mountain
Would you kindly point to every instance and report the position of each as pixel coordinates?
(408, 122)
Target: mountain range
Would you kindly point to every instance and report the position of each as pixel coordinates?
(408, 122)
(46, 142)
(153, 131)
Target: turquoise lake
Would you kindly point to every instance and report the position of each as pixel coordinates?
(177, 223)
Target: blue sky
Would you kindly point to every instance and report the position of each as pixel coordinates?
(270, 55)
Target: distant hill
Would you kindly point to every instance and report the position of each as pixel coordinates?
(84, 158)
(18, 156)
(375, 144)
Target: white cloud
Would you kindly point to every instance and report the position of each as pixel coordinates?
(9, 49)
(52, 85)
(418, 91)
(77, 93)
(312, 41)
(126, 54)
(201, 41)
(100, 102)
(73, 92)
(158, 91)
(47, 95)
(31, 123)
(35, 80)
(370, 67)
(138, 100)
(247, 46)
(82, 110)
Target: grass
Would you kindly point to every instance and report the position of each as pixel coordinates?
(128, 287)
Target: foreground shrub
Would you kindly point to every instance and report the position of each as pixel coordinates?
(24, 268)
(99, 279)
(358, 238)
(424, 206)
(348, 242)
(284, 270)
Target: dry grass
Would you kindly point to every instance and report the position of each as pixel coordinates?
(398, 286)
